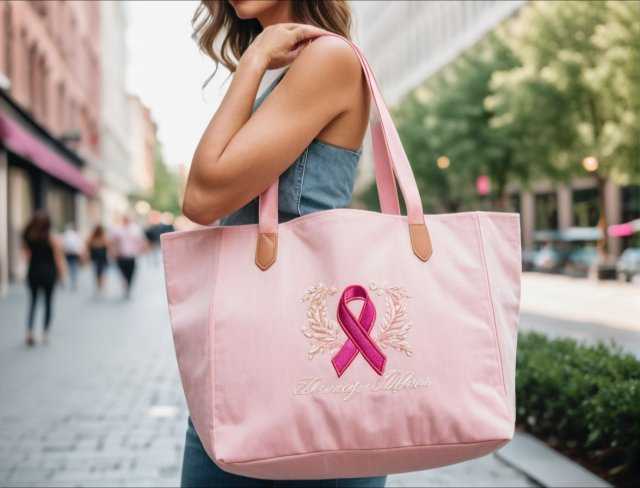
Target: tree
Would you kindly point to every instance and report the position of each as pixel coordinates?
(461, 122)
(167, 185)
(448, 118)
(573, 94)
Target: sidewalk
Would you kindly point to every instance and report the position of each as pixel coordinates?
(609, 303)
(102, 404)
(586, 310)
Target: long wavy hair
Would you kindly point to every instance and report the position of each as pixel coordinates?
(38, 230)
(217, 17)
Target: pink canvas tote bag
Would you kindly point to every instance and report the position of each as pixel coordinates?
(348, 343)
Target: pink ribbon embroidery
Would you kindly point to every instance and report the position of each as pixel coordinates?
(357, 331)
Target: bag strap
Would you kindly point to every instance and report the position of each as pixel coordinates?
(390, 159)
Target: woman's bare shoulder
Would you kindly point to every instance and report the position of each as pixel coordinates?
(329, 60)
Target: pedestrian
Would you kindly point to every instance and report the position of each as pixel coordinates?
(308, 132)
(72, 245)
(128, 242)
(46, 265)
(97, 246)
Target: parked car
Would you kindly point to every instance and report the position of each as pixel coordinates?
(628, 263)
(528, 259)
(581, 260)
(549, 259)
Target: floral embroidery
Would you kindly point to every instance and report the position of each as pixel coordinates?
(323, 333)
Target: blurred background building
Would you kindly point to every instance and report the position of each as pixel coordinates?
(143, 142)
(115, 143)
(70, 141)
(433, 34)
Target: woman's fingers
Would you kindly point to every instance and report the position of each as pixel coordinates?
(304, 32)
(292, 55)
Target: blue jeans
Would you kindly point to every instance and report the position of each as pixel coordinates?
(199, 470)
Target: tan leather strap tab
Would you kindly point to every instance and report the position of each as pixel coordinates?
(420, 241)
(266, 250)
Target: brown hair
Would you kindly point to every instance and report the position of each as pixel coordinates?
(38, 230)
(215, 16)
(97, 234)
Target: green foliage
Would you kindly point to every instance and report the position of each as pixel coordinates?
(555, 84)
(585, 397)
(575, 90)
(166, 189)
(447, 116)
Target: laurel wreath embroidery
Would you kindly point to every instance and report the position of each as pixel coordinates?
(325, 335)
(396, 325)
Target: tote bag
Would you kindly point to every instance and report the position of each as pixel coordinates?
(348, 343)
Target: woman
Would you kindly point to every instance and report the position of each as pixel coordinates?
(97, 246)
(72, 245)
(127, 242)
(307, 129)
(46, 265)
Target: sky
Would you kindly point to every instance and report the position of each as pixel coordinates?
(167, 71)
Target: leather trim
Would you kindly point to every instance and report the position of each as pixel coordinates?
(266, 250)
(420, 241)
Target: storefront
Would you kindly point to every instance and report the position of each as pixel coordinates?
(37, 171)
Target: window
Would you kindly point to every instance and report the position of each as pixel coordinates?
(586, 211)
(514, 202)
(8, 44)
(32, 76)
(546, 211)
(62, 106)
(630, 196)
(630, 203)
(44, 86)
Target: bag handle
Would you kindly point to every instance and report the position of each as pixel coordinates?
(390, 159)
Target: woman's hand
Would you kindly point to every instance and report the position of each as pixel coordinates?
(59, 259)
(279, 44)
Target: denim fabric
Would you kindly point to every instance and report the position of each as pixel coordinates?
(321, 178)
(198, 470)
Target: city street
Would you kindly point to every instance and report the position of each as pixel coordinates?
(586, 310)
(102, 405)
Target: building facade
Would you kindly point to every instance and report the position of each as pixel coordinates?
(50, 63)
(143, 139)
(115, 126)
(406, 42)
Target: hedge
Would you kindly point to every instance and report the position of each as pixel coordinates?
(584, 399)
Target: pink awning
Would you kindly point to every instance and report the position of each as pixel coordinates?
(624, 230)
(20, 141)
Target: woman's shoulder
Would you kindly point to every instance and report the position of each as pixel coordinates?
(333, 49)
(328, 56)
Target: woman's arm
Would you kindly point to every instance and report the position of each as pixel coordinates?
(241, 154)
(58, 257)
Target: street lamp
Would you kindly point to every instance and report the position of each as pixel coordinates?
(590, 163)
(443, 162)
(142, 207)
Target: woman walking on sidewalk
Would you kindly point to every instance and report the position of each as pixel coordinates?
(46, 266)
(128, 242)
(72, 245)
(97, 247)
(306, 128)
